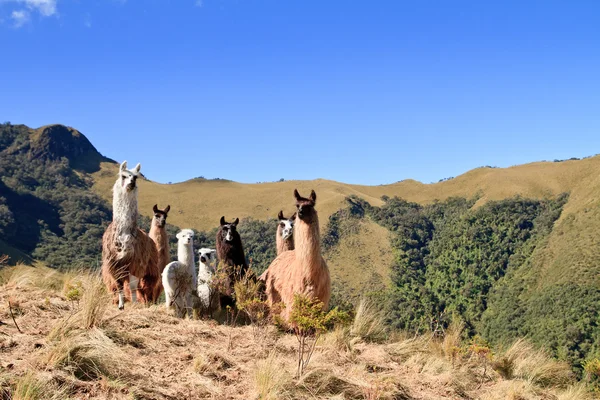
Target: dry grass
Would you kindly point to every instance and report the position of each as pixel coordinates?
(575, 392)
(146, 353)
(369, 323)
(88, 355)
(523, 361)
(34, 387)
(270, 378)
(27, 276)
(91, 309)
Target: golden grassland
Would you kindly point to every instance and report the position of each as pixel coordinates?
(74, 344)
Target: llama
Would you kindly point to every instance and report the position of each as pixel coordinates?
(159, 236)
(126, 249)
(302, 271)
(285, 233)
(178, 276)
(230, 252)
(207, 265)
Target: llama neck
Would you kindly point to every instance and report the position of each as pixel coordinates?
(185, 254)
(307, 240)
(158, 233)
(125, 209)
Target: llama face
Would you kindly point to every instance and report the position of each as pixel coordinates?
(229, 230)
(286, 226)
(160, 216)
(305, 207)
(207, 256)
(128, 177)
(185, 237)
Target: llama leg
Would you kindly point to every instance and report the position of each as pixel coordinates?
(120, 285)
(133, 285)
(168, 299)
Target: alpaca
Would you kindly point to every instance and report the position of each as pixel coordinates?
(178, 276)
(230, 252)
(285, 233)
(126, 249)
(159, 236)
(302, 271)
(207, 265)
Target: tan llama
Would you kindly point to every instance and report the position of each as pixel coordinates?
(303, 270)
(284, 238)
(158, 234)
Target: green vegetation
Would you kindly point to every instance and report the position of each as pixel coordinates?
(46, 207)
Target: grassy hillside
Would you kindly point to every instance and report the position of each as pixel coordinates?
(200, 203)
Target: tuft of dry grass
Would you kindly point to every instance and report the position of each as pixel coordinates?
(212, 364)
(33, 387)
(575, 392)
(39, 277)
(270, 378)
(88, 355)
(325, 382)
(369, 323)
(523, 361)
(92, 308)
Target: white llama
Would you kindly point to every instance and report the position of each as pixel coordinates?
(178, 277)
(207, 265)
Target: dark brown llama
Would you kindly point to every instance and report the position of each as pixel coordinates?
(230, 254)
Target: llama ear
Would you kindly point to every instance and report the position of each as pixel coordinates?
(237, 221)
(293, 217)
(167, 209)
(222, 221)
(280, 215)
(297, 195)
(178, 236)
(123, 166)
(313, 196)
(137, 168)
(155, 208)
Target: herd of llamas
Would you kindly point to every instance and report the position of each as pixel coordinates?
(136, 265)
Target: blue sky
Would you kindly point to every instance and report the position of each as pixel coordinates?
(359, 92)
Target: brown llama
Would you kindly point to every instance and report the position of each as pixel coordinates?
(127, 251)
(303, 270)
(159, 236)
(285, 233)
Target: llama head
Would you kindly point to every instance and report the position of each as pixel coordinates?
(207, 256)
(127, 178)
(228, 230)
(305, 208)
(185, 237)
(160, 216)
(286, 225)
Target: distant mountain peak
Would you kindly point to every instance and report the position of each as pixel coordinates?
(53, 142)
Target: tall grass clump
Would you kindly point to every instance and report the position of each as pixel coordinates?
(523, 361)
(269, 378)
(88, 355)
(369, 323)
(91, 310)
(32, 387)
